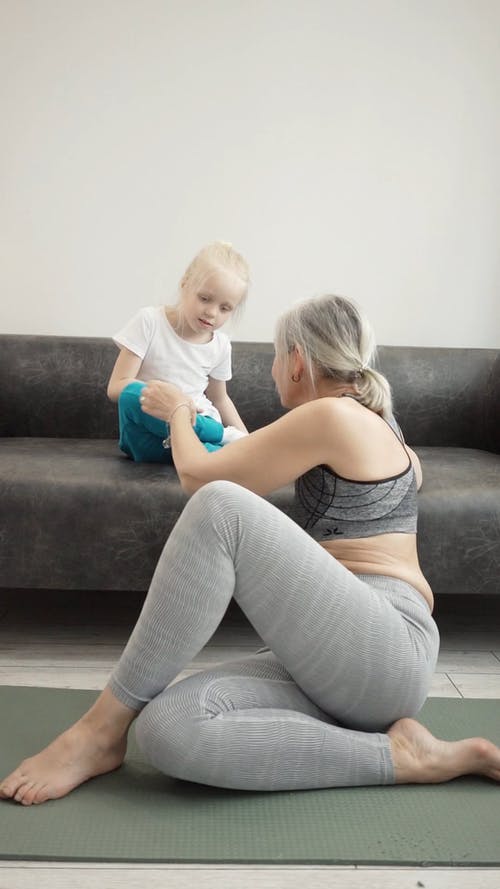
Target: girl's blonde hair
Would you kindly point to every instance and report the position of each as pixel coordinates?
(219, 255)
(336, 342)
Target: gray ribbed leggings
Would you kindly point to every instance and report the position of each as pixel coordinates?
(350, 655)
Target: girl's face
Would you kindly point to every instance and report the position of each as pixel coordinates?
(206, 306)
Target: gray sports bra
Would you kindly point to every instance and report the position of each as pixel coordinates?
(331, 507)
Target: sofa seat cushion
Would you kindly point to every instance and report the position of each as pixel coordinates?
(459, 519)
(81, 515)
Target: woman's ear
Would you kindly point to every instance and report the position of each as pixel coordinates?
(297, 362)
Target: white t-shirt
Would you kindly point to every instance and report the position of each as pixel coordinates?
(166, 356)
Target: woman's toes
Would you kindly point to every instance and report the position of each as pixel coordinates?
(11, 785)
(23, 792)
(41, 795)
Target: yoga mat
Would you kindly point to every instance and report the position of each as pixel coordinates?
(137, 814)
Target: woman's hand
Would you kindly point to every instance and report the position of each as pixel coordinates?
(160, 400)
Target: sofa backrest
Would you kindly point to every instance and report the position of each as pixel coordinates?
(55, 386)
(442, 396)
(445, 396)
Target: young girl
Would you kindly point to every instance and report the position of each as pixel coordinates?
(182, 344)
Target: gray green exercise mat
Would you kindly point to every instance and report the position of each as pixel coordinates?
(137, 814)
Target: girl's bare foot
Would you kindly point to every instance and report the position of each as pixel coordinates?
(420, 758)
(94, 745)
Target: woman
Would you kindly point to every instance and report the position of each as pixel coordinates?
(341, 602)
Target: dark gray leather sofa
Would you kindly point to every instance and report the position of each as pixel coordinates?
(75, 514)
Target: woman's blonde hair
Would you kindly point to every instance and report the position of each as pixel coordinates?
(336, 342)
(219, 255)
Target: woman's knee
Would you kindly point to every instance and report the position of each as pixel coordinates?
(210, 502)
(217, 490)
(169, 729)
(163, 736)
(179, 732)
(223, 499)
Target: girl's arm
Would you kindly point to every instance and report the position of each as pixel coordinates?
(125, 371)
(217, 393)
(262, 461)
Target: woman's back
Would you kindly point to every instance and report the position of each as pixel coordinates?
(362, 506)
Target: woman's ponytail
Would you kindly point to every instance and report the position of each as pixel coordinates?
(374, 391)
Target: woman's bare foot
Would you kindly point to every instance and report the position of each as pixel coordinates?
(94, 745)
(420, 758)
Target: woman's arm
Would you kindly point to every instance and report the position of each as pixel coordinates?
(127, 366)
(217, 393)
(262, 461)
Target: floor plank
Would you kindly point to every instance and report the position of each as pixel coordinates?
(244, 877)
(477, 685)
(442, 687)
(467, 662)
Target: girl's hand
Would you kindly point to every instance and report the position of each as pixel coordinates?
(160, 399)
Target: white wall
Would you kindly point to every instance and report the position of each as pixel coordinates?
(344, 145)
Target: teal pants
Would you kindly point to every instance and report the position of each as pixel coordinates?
(142, 436)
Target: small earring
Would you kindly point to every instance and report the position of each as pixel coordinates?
(296, 378)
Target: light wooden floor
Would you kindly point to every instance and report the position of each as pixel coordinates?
(73, 640)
